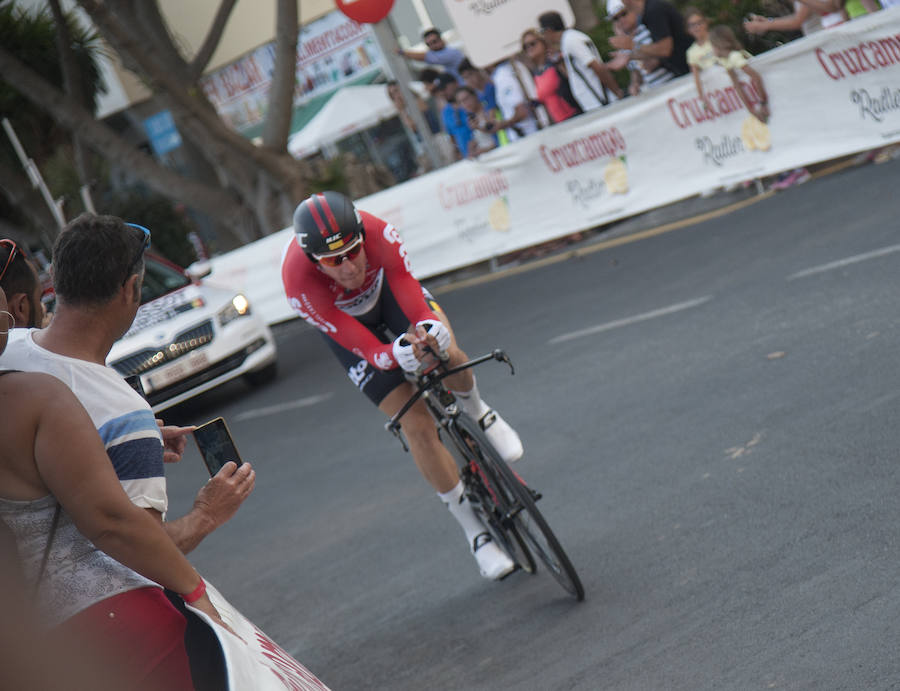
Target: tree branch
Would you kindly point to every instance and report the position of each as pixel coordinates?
(71, 115)
(211, 42)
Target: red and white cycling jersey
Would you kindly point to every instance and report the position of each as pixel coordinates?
(322, 302)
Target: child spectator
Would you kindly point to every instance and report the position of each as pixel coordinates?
(731, 55)
(700, 55)
(550, 78)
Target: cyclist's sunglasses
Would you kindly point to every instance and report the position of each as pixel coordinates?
(14, 251)
(145, 245)
(335, 260)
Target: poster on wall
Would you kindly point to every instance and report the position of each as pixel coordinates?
(331, 52)
(491, 29)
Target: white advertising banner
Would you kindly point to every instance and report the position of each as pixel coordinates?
(491, 29)
(253, 661)
(830, 94)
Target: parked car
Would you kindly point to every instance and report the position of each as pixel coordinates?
(189, 337)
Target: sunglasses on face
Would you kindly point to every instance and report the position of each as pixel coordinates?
(145, 245)
(14, 251)
(335, 260)
(528, 45)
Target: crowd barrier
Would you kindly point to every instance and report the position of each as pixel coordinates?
(831, 94)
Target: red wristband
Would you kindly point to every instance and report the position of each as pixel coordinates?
(196, 593)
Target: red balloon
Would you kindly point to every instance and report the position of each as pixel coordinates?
(365, 11)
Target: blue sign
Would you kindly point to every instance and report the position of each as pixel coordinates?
(162, 132)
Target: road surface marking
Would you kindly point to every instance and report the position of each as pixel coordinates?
(840, 263)
(671, 309)
(280, 407)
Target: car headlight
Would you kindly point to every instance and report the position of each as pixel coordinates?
(239, 307)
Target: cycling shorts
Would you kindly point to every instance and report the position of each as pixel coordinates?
(387, 321)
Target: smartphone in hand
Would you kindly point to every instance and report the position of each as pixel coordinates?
(216, 445)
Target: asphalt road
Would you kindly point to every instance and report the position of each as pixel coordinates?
(711, 415)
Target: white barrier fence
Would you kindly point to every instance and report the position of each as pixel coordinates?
(830, 94)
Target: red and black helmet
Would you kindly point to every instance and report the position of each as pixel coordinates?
(325, 223)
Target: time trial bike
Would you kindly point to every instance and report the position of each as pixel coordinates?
(505, 503)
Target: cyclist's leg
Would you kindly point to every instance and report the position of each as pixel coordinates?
(438, 467)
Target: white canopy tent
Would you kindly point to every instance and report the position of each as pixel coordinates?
(352, 109)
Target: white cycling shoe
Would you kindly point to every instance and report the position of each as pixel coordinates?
(502, 436)
(492, 561)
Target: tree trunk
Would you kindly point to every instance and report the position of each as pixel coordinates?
(225, 148)
(74, 117)
(586, 13)
(281, 93)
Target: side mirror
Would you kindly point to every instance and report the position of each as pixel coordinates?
(199, 269)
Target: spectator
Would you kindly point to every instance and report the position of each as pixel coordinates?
(591, 82)
(453, 117)
(646, 73)
(429, 77)
(803, 19)
(396, 96)
(98, 269)
(63, 505)
(550, 78)
(20, 281)
(478, 80)
(807, 21)
(669, 39)
(438, 53)
(479, 121)
(515, 119)
(700, 55)
(731, 55)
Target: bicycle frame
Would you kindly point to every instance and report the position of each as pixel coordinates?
(441, 402)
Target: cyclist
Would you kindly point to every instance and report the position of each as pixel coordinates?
(347, 273)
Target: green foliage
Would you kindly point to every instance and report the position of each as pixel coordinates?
(31, 36)
(327, 175)
(168, 225)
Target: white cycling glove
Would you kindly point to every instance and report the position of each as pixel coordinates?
(437, 329)
(404, 354)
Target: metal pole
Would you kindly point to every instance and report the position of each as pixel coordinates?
(34, 175)
(387, 41)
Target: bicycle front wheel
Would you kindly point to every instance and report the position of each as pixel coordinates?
(522, 515)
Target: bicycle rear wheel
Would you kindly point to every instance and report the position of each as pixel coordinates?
(522, 518)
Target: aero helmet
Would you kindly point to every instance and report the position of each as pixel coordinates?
(326, 222)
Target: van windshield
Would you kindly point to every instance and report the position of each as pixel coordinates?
(159, 279)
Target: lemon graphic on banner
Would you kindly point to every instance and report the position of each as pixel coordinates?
(755, 134)
(615, 175)
(498, 214)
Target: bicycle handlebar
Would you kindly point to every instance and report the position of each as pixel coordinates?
(427, 380)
